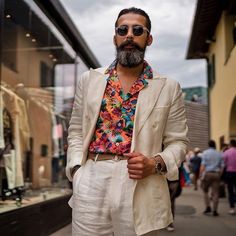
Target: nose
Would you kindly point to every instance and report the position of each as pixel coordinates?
(130, 33)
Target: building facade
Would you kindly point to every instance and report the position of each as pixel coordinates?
(198, 124)
(213, 38)
(195, 94)
(42, 55)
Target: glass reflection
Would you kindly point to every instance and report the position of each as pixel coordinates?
(39, 74)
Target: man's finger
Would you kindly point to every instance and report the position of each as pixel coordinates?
(135, 166)
(132, 154)
(135, 172)
(135, 176)
(137, 159)
(133, 160)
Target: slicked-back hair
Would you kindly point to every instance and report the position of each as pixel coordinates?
(138, 11)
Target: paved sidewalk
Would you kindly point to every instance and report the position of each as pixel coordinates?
(190, 221)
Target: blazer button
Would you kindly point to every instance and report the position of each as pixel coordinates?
(154, 124)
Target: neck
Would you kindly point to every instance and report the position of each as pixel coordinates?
(134, 71)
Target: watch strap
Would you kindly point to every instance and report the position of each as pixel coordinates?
(158, 166)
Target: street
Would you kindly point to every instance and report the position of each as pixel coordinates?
(189, 219)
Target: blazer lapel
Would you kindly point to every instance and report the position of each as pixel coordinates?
(96, 89)
(146, 101)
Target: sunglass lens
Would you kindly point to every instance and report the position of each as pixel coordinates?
(137, 30)
(122, 30)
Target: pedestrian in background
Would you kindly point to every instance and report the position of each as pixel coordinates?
(230, 175)
(186, 173)
(195, 163)
(175, 189)
(212, 166)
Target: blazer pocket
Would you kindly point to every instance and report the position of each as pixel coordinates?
(76, 179)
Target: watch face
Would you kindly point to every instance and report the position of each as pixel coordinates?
(158, 167)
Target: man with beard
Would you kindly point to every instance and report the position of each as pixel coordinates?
(127, 136)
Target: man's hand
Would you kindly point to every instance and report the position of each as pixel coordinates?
(139, 166)
(73, 170)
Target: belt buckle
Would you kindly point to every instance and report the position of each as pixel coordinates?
(116, 158)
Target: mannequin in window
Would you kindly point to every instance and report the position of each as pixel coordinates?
(8, 140)
(3, 175)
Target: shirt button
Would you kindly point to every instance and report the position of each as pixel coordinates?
(117, 144)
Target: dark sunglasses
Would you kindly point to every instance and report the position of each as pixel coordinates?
(138, 30)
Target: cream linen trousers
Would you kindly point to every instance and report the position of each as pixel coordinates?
(102, 200)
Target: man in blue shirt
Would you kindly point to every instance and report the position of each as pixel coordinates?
(211, 170)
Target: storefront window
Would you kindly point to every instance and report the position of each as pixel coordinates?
(39, 72)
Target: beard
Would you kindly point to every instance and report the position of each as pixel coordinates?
(130, 57)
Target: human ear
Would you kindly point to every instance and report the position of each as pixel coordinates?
(149, 40)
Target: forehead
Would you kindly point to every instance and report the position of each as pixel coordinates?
(132, 19)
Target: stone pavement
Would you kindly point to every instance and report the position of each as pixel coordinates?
(190, 221)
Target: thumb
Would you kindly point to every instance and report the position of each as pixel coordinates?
(131, 154)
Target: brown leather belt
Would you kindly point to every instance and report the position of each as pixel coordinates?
(104, 157)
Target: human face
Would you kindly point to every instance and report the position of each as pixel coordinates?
(131, 47)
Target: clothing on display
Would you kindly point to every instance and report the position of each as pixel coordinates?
(16, 108)
(36, 129)
(7, 159)
(2, 144)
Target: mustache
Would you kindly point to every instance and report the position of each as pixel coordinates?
(130, 43)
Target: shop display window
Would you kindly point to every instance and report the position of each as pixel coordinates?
(39, 71)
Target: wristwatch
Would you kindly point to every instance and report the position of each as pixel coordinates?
(159, 170)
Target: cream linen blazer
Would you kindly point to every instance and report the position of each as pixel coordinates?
(159, 129)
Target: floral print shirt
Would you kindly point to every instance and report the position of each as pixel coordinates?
(114, 128)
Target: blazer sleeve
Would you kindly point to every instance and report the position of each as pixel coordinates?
(175, 139)
(75, 134)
